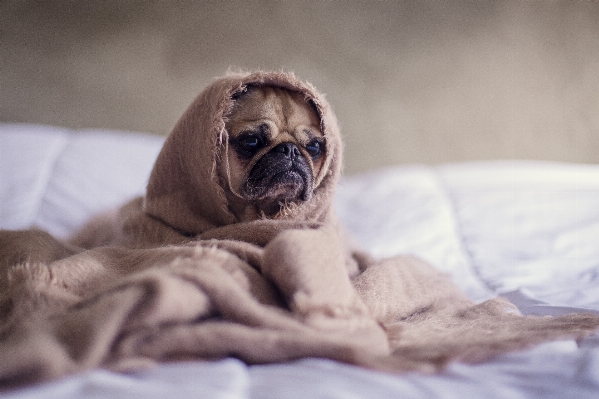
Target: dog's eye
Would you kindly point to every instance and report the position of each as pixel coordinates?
(248, 145)
(314, 148)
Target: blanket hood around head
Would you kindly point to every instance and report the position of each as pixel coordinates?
(182, 280)
(186, 191)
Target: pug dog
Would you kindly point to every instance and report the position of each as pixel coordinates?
(276, 147)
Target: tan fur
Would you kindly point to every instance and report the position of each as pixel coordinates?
(290, 119)
(186, 273)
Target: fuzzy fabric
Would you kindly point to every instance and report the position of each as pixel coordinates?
(174, 275)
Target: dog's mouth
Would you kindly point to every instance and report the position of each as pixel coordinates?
(287, 185)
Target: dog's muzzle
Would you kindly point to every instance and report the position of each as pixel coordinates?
(282, 173)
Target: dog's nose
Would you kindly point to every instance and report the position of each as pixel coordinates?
(290, 150)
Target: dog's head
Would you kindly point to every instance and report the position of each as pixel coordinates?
(276, 148)
(251, 146)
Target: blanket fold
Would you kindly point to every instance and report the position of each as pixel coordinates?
(174, 275)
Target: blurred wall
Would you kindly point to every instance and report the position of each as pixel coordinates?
(411, 81)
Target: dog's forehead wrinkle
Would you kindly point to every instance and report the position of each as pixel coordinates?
(258, 126)
(290, 109)
(283, 110)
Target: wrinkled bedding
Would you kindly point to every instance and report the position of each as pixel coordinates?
(521, 229)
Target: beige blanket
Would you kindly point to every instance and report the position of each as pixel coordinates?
(173, 276)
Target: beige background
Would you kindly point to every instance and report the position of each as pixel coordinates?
(411, 81)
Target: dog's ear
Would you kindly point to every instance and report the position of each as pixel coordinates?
(237, 94)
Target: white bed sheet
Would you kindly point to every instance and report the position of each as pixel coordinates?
(525, 230)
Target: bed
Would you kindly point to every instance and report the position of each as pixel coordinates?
(525, 230)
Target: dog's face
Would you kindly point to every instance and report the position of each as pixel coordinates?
(275, 150)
